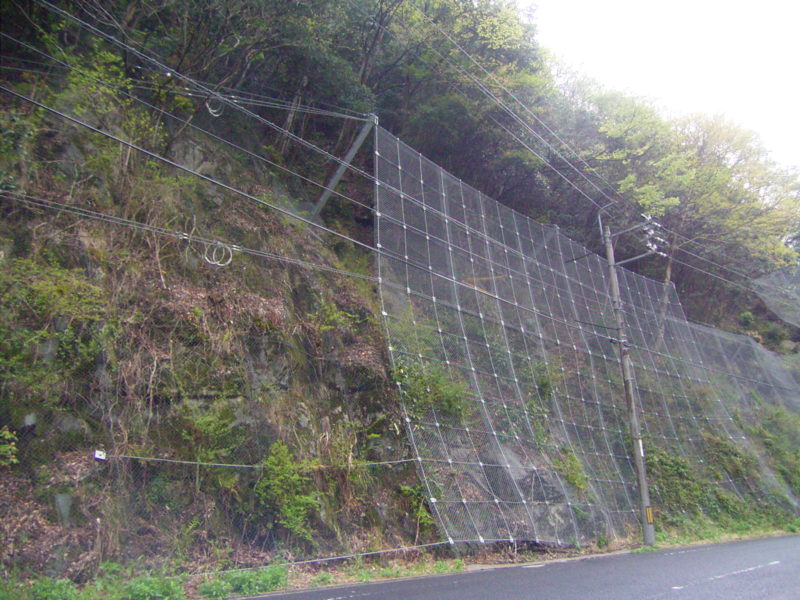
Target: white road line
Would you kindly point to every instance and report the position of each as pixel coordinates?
(677, 588)
(740, 571)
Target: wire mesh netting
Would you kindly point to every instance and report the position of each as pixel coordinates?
(503, 335)
(780, 291)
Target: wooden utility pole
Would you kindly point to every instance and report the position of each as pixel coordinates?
(648, 530)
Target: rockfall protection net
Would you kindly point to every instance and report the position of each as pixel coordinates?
(505, 352)
(780, 291)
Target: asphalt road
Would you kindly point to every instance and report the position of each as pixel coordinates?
(767, 569)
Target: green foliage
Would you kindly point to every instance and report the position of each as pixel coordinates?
(419, 510)
(211, 432)
(538, 402)
(52, 328)
(779, 431)
(320, 579)
(568, 465)
(215, 588)
(285, 489)
(16, 134)
(330, 317)
(429, 386)
(602, 540)
(746, 318)
(53, 589)
(8, 447)
(680, 491)
(257, 582)
(152, 588)
(736, 461)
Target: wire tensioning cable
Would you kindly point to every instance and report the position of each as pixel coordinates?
(197, 85)
(208, 243)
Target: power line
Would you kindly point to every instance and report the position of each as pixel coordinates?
(263, 202)
(272, 163)
(491, 76)
(289, 213)
(311, 146)
(187, 123)
(211, 94)
(178, 166)
(505, 107)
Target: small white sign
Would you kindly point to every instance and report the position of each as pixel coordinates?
(99, 455)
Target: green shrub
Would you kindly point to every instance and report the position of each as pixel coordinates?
(42, 305)
(152, 588)
(429, 386)
(8, 447)
(419, 509)
(285, 489)
(257, 582)
(737, 462)
(216, 588)
(53, 589)
(568, 465)
(322, 579)
(746, 319)
(779, 432)
(681, 493)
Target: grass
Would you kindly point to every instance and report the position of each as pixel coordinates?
(118, 585)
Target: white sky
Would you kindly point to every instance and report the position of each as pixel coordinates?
(735, 58)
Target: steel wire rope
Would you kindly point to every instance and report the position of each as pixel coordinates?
(239, 192)
(233, 145)
(484, 89)
(180, 235)
(212, 94)
(296, 138)
(502, 105)
(732, 271)
(198, 128)
(534, 311)
(201, 130)
(538, 120)
(646, 349)
(248, 152)
(311, 467)
(242, 94)
(741, 274)
(86, 213)
(474, 61)
(331, 558)
(186, 169)
(691, 266)
(185, 92)
(254, 98)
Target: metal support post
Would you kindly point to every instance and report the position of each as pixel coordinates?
(334, 180)
(648, 530)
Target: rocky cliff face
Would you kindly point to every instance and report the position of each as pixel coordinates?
(123, 331)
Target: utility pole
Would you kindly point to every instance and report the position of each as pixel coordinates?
(646, 515)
